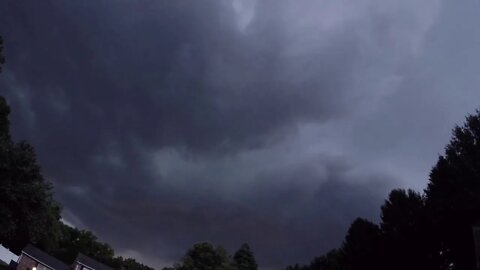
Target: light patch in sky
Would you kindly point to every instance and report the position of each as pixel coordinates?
(66, 222)
(245, 11)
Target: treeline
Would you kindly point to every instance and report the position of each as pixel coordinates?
(205, 256)
(28, 212)
(428, 230)
(72, 241)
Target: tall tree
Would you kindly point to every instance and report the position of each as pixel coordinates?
(28, 211)
(244, 259)
(453, 194)
(407, 240)
(361, 247)
(204, 256)
(27, 208)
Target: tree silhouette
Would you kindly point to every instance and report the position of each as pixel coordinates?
(407, 239)
(27, 209)
(453, 194)
(72, 241)
(244, 258)
(362, 245)
(204, 256)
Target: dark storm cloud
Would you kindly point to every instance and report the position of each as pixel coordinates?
(271, 213)
(205, 84)
(164, 123)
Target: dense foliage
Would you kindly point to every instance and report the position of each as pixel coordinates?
(244, 259)
(205, 256)
(27, 208)
(73, 240)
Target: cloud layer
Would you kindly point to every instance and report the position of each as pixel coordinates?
(165, 123)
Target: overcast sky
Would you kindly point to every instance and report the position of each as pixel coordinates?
(166, 123)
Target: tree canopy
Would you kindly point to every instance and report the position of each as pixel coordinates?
(29, 212)
(453, 194)
(244, 258)
(362, 245)
(406, 227)
(73, 240)
(205, 256)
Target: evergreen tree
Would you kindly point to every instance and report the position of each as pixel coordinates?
(361, 247)
(407, 239)
(244, 259)
(204, 256)
(453, 195)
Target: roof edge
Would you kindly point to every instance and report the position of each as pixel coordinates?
(31, 256)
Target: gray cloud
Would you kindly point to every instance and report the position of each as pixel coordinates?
(273, 210)
(165, 123)
(206, 85)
